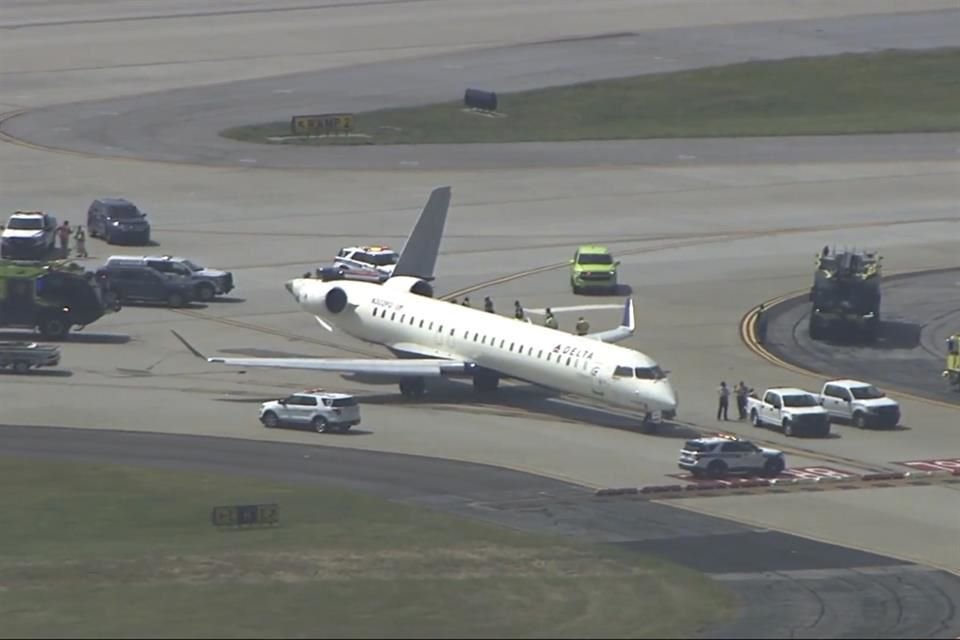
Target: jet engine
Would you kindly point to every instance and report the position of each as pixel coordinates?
(411, 285)
(335, 300)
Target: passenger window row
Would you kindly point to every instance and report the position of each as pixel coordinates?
(379, 312)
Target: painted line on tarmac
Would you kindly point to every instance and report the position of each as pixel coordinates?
(748, 334)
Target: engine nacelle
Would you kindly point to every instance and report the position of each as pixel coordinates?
(411, 285)
(335, 300)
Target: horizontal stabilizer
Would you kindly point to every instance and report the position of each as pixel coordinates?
(626, 329)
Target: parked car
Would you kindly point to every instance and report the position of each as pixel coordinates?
(132, 283)
(117, 220)
(315, 409)
(28, 235)
(207, 283)
(859, 403)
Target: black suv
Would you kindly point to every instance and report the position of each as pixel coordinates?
(143, 284)
(117, 220)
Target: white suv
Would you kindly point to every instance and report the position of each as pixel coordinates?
(380, 259)
(718, 456)
(315, 409)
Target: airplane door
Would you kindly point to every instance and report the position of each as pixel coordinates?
(599, 388)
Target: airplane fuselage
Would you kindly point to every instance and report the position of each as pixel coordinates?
(413, 325)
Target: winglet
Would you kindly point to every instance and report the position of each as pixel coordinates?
(418, 258)
(629, 320)
(189, 346)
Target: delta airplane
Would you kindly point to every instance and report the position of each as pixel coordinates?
(434, 338)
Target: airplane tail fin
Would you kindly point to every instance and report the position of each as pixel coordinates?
(418, 258)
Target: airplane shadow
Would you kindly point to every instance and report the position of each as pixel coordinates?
(508, 400)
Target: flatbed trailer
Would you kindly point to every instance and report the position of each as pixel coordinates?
(23, 356)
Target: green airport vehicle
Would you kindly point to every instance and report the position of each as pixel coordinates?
(845, 297)
(952, 370)
(52, 297)
(593, 268)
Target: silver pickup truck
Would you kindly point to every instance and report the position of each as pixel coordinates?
(859, 403)
(23, 356)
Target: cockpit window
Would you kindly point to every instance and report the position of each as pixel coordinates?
(650, 373)
(623, 372)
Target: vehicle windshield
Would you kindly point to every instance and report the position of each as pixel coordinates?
(695, 445)
(193, 266)
(124, 213)
(595, 258)
(382, 259)
(800, 401)
(869, 392)
(343, 402)
(25, 223)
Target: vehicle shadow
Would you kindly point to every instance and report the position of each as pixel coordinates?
(228, 299)
(620, 291)
(516, 400)
(40, 373)
(74, 337)
(893, 334)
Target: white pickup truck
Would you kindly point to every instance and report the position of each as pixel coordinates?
(794, 411)
(860, 403)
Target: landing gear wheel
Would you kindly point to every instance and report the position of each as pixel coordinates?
(649, 426)
(319, 424)
(413, 387)
(485, 382)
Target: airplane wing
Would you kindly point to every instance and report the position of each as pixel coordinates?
(627, 326)
(426, 367)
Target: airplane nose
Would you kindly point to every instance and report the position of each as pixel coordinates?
(293, 286)
(665, 397)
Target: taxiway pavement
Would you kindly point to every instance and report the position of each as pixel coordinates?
(700, 245)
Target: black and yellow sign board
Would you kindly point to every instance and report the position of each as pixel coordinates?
(246, 515)
(321, 125)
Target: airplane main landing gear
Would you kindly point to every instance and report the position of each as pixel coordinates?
(485, 381)
(413, 387)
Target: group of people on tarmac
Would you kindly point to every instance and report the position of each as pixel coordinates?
(549, 320)
(741, 392)
(63, 235)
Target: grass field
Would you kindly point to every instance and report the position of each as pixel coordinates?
(94, 551)
(846, 94)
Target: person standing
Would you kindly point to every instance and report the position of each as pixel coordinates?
(550, 320)
(466, 301)
(81, 237)
(488, 304)
(63, 232)
(723, 398)
(741, 391)
(517, 310)
(582, 326)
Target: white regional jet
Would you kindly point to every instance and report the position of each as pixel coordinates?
(433, 338)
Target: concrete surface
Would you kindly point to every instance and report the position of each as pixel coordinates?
(700, 245)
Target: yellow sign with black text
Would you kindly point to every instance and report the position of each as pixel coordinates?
(325, 124)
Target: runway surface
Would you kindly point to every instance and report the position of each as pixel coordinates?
(183, 125)
(779, 582)
(918, 313)
(701, 240)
